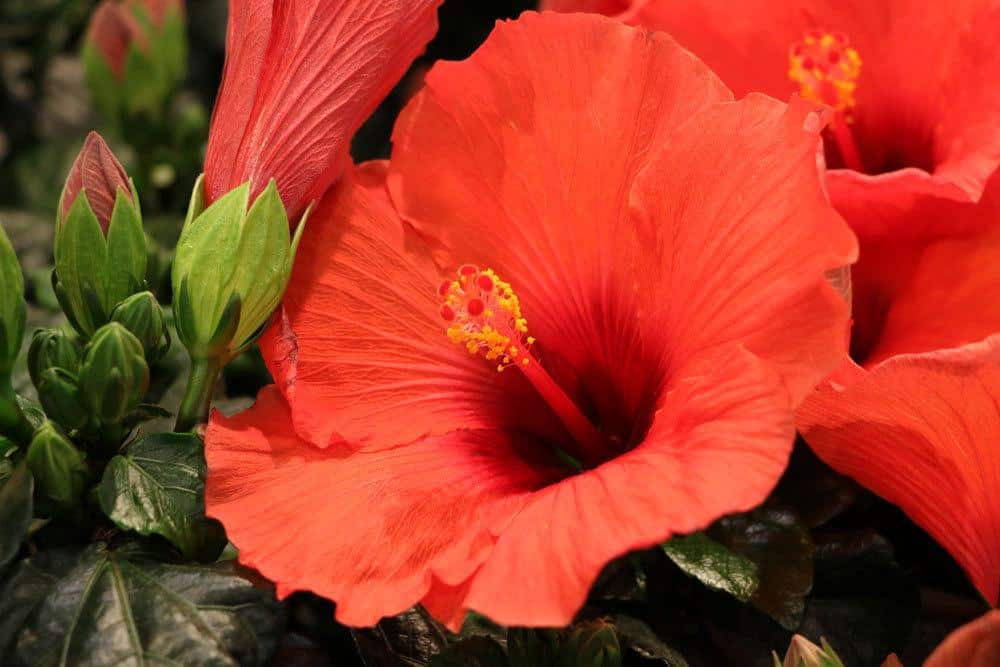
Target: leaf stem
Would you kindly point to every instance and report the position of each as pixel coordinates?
(198, 396)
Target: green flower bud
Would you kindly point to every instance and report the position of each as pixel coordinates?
(134, 56)
(232, 265)
(100, 247)
(60, 472)
(114, 375)
(52, 348)
(12, 308)
(591, 644)
(803, 653)
(141, 314)
(59, 394)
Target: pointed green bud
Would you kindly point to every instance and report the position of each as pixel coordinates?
(52, 348)
(100, 247)
(59, 394)
(114, 375)
(142, 315)
(803, 653)
(232, 265)
(12, 307)
(60, 471)
(591, 644)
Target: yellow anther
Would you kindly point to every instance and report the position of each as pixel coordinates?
(484, 315)
(826, 69)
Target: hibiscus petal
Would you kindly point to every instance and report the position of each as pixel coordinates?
(975, 644)
(369, 530)
(734, 417)
(300, 78)
(360, 350)
(950, 295)
(746, 236)
(522, 159)
(921, 431)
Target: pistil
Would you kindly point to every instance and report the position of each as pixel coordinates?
(484, 315)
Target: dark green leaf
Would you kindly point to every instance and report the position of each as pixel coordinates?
(863, 601)
(99, 607)
(782, 548)
(472, 652)
(15, 512)
(639, 640)
(411, 638)
(528, 647)
(158, 487)
(714, 565)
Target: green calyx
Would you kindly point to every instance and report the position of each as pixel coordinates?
(94, 272)
(12, 306)
(59, 469)
(142, 315)
(60, 396)
(114, 375)
(231, 267)
(52, 348)
(592, 644)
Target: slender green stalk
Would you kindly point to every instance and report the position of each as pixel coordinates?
(13, 423)
(198, 396)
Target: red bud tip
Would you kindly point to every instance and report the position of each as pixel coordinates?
(97, 172)
(113, 29)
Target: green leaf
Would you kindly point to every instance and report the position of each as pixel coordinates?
(158, 487)
(714, 565)
(16, 508)
(640, 641)
(527, 647)
(99, 607)
(411, 638)
(471, 652)
(783, 550)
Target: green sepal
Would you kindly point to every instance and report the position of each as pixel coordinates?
(59, 394)
(591, 644)
(196, 204)
(60, 470)
(143, 86)
(81, 257)
(105, 90)
(126, 254)
(114, 374)
(52, 348)
(12, 306)
(142, 315)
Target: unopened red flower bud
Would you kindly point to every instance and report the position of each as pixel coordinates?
(113, 29)
(99, 174)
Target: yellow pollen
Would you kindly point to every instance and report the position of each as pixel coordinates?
(826, 69)
(484, 316)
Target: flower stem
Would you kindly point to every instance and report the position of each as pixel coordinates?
(13, 423)
(198, 395)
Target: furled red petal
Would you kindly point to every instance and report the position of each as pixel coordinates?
(747, 236)
(360, 349)
(735, 417)
(99, 175)
(300, 78)
(921, 431)
(369, 529)
(976, 644)
(114, 30)
(933, 109)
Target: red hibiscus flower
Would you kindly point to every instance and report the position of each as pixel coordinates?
(918, 115)
(300, 78)
(922, 431)
(572, 317)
